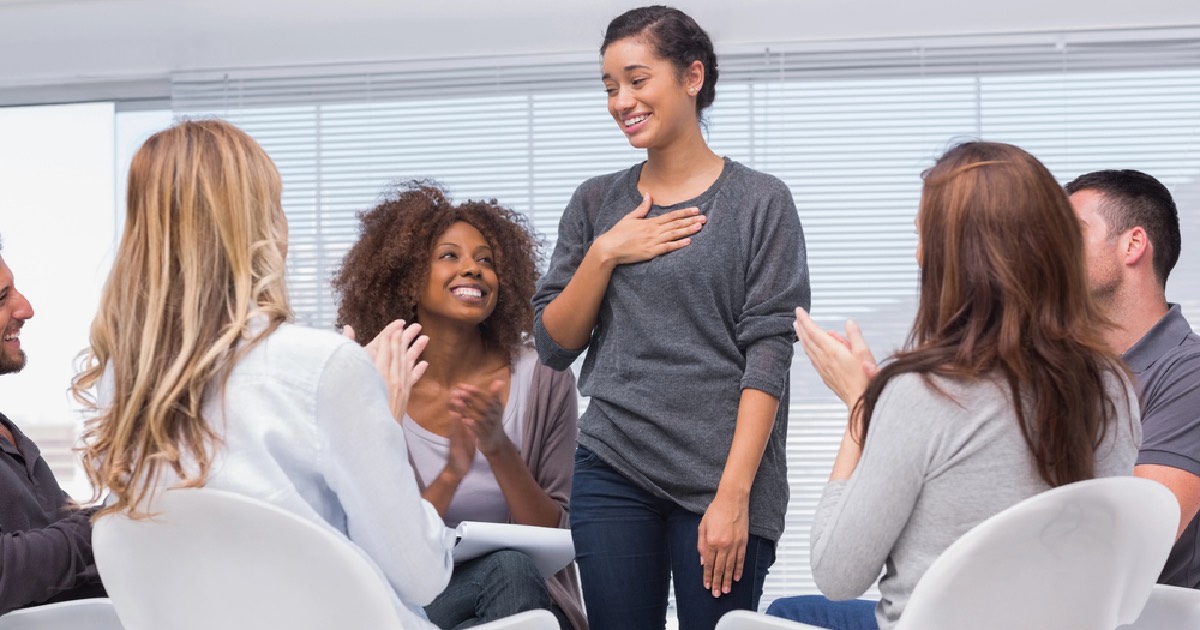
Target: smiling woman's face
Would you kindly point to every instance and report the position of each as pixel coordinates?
(462, 285)
(652, 102)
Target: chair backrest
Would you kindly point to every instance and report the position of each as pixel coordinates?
(1169, 608)
(92, 614)
(210, 559)
(1084, 555)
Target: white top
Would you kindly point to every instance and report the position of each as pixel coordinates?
(306, 427)
(478, 497)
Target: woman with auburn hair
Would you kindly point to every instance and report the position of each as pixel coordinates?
(490, 431)
(1005, 388)
(202, 381)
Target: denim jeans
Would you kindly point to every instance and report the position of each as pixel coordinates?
(629, 544)
(491, 587)
(817, 610)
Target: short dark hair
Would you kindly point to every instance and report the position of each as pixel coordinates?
(676, 37)
(1134, 199)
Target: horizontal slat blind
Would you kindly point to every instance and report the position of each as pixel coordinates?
(849, 126)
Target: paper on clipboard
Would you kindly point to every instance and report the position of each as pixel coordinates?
(550, 548)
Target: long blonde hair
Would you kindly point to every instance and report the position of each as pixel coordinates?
(202, 252)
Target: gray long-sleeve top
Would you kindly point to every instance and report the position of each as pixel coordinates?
(935, 465)
(678, 337)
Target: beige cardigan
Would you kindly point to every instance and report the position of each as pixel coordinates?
(548, 447)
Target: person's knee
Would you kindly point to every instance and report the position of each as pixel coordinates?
(787, 607)
(513, 566)
(511, 584)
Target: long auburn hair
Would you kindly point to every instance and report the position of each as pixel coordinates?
(1003, 294)
(202, 253)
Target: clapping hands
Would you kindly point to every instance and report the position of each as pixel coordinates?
(482, 413)
(396, 352)
(845, 363)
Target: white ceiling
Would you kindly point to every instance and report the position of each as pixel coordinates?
(77, 41)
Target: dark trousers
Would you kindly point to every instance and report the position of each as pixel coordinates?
(629, 544)
(498, 585)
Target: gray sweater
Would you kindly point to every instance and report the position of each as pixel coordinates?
(933, 468)
(678, 337)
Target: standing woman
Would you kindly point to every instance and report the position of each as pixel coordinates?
(680, 276)
(491, 432)
(202, 380)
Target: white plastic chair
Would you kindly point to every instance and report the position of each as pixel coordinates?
(746, 620)
(91, 614)
(1169, 608)
(1084, 555)
(212, 559)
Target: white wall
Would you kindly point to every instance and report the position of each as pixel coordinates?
(47, 42)
(56, 172)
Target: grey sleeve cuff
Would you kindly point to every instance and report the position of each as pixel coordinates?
(551, 354)
(1167, 458)
(768, 362)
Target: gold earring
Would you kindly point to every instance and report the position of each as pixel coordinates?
(692, 91)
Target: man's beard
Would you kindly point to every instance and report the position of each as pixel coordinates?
(10, 364)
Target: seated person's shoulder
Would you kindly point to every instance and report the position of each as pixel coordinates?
(299, 351)
(914, 388)
(1177, 371)
(304, 340)
(1185, 356)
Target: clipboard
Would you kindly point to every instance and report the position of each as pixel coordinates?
(550, 548)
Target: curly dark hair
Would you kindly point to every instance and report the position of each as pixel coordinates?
(382, 275)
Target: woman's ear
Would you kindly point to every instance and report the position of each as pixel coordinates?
(693, 78)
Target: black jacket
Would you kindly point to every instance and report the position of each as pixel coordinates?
(45, 544)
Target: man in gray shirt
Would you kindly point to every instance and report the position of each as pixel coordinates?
(1131, 232)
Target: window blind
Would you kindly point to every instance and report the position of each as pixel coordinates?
(849, 126)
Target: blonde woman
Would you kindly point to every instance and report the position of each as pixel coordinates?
(202, 381)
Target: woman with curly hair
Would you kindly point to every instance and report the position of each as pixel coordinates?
(491, 432)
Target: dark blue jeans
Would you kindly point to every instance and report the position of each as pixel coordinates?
(818, 610)
(629, 544)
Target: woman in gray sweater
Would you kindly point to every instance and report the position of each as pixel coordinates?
(1006, 388)
(679, 276)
